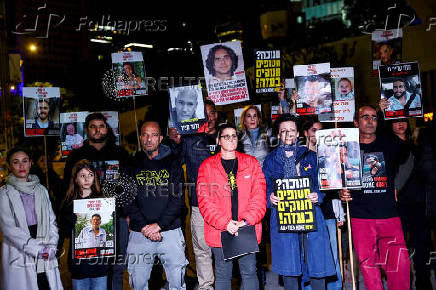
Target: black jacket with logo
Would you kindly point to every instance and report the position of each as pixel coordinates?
(160, 197)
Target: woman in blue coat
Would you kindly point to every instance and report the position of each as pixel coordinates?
(296, 255)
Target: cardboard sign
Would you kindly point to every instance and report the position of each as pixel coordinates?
(268, 72)
(224, 72)
(400, 84)
(41, 111)
(94, 234)
(295, 212)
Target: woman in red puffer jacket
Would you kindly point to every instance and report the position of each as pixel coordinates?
(231, 191)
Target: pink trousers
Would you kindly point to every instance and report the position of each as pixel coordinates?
(380, 243)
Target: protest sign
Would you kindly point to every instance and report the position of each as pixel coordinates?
(338, 154)
(342, 81)
(187, 111)
(400, 84)
(94, 233)
(386, 47)
(314, 89)
(224, 72)
(41, 111)
(268, 71)
(129, 74)
(295, 211)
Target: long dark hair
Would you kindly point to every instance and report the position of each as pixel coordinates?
(74, 190)
(210, 61)
(408, 130)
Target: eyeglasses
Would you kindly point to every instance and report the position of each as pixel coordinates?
(369, 118)
(229, 137)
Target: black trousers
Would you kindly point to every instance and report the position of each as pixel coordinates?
(41, 277)
(415, 222)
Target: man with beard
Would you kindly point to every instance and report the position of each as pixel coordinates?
(98, 148)
(155, 214)
(403, 99)
(377, 233)
(221, 63)
(42, 121)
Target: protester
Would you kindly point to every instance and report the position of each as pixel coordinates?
(85, 273)
(296, 254)
(193, 150)
(99, 148)
(28, 226)
(331, 207)
(155, 213)
(231, 194)
(377, 234)
(255, 140)
(411, 204)
(39, 168)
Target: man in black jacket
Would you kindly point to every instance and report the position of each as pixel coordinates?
(101, 150)
(155, 213)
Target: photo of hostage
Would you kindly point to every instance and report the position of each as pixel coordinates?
(345, 88)
(375, 165)
(42, 119)
(221, 63)
(185, 107)
(350, 170)
(402, 97)
(71, 138)
(128, 78)
(92, 236)
(386, 53)
(316, 93)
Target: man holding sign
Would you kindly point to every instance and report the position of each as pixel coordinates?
(377, 233)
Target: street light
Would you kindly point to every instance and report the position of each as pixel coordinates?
(32, 47)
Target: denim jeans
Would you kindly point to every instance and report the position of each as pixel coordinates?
(223, 271)
(141, 253)
(98, 283)
(334, 282)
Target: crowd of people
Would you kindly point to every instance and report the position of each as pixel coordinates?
(230, 175)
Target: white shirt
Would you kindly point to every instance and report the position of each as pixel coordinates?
(87, 238)
(73, 140)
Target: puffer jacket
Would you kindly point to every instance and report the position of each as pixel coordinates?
(214, 196)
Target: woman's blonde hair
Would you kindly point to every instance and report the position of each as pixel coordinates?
(241, 126)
